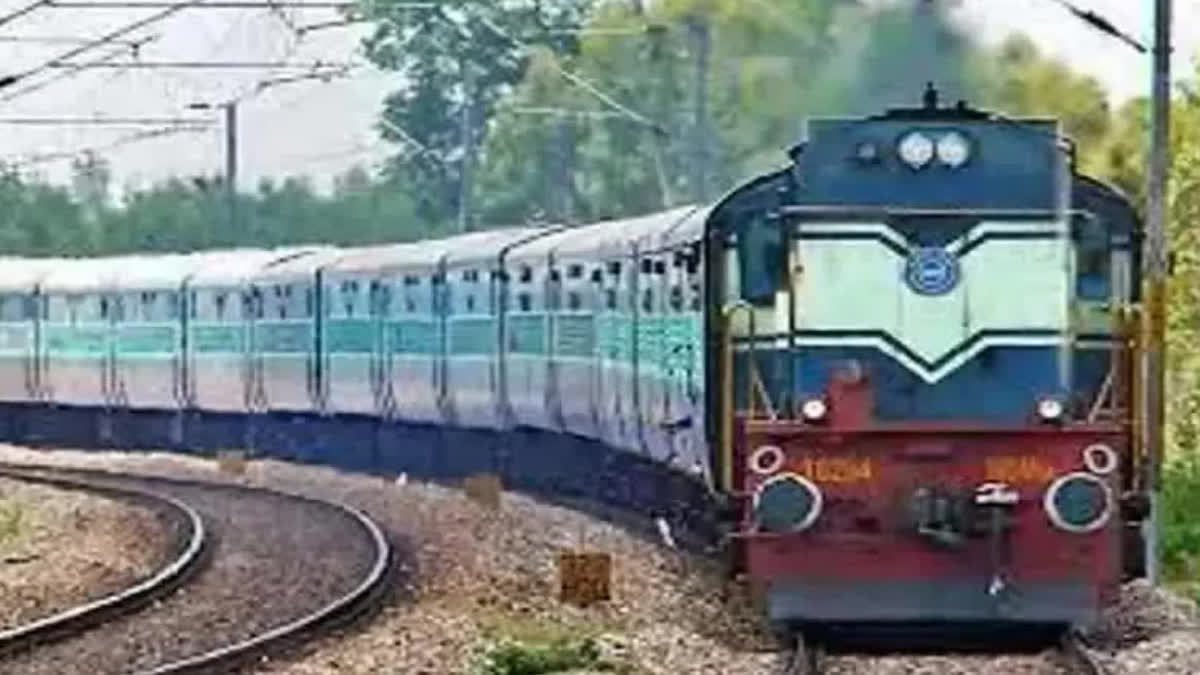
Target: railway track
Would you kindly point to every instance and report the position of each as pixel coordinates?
(1070, 656)
(190, 543)
(279, 567)
(1077, 659)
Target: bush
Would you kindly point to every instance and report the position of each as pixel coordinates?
(1181, 515)
(511, 657)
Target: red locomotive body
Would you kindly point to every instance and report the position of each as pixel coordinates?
(933, 523)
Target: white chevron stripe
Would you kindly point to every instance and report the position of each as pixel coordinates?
(1013, 285)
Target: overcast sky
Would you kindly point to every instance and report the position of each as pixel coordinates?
(322, 129)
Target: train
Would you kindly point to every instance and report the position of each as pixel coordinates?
(894, 380)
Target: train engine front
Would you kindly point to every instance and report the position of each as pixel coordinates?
(923, 339)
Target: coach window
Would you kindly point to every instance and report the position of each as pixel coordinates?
(648, 301)
(1093, 262)
(574, 301)
(676, 298)
(761, 261)
(219, 303)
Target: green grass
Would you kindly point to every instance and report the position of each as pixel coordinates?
(1181, 518)
(511, 657)
(11, 516)
(524, 645)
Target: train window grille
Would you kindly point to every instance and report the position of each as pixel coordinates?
(220, 300)
(469, 303)
(694, 302)
(610, 299)
(524, 302)
(676, 298)
(574, 301)
(648, 301)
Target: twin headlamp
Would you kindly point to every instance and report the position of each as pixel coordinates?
(917, 149)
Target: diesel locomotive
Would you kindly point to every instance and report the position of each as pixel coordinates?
(901, 367)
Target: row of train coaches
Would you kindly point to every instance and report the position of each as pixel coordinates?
(593, 330)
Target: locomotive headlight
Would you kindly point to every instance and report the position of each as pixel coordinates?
(953, 149)
(1078, 502)
(916, 149)
(787, 502)
(814, 409)
(1050, 409)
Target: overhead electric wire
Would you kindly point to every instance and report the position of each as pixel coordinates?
(204, 65)
(136, 137)
(576, 79)
(27, 9)
(9, 80)
(104, 121)
(217, 4)
(56, 40)
(1102, 24)
(37, 86)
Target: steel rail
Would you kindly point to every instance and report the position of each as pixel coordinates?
(803, 657)
(364, 597)
(194, 541)
(1077, 659)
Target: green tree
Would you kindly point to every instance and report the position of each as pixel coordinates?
(450, 60)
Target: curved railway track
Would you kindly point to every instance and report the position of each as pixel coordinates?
(280, 567)
(189, 545)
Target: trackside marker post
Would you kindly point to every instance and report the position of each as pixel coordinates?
(484, 488)
(231, 462)
(584, 578)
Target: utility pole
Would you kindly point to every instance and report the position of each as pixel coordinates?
(231, 153)
(661, 57)
(468, 140)
(564, 204)
(698, 26)
(1156, 271)
(231, 160)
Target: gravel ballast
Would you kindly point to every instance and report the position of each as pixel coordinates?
(60, 548)
(276, 559)
(479, 576)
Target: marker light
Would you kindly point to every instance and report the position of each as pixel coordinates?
(1050, 409)
(766, 460)
(814, 410)
(1078, 502)
(916, 149)
(787, 502)
(953, 149)
(867, 152)
(1100, 459)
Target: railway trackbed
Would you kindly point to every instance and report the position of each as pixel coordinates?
(276, 567)
(1069, 657)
